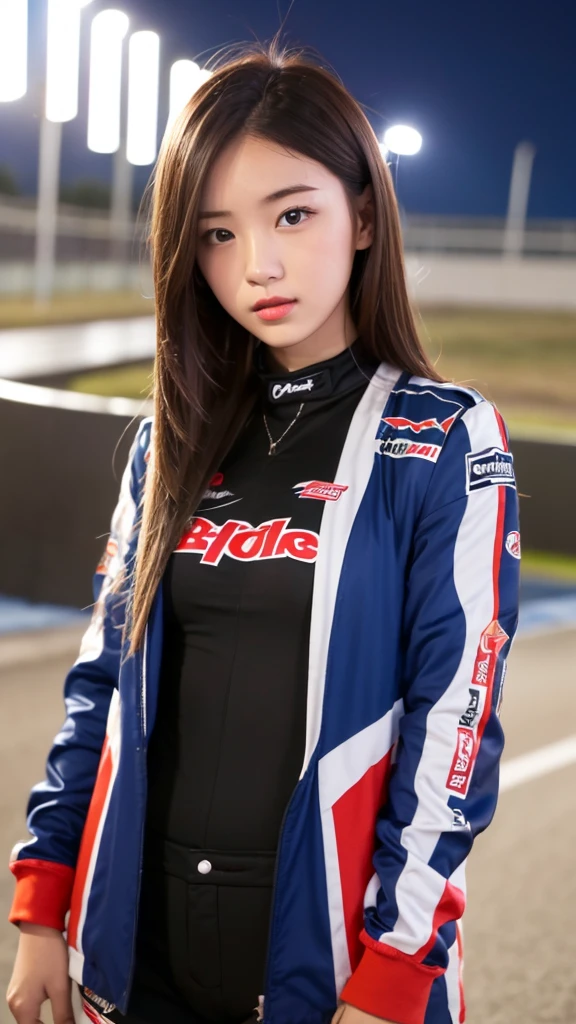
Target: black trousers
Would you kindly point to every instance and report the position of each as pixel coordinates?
(202, 936)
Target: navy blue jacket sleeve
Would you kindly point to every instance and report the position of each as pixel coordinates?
(460, 616)
(44, 864)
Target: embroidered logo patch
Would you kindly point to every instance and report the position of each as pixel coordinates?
(462, 762)
(400, 423)
(315, 383)
(398, 448)
(474, 709)
(491, 643)
(513, 544)
(320, 490)
(479, 696)
(490, 467)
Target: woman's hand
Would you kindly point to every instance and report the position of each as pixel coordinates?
(346, 1014)
(40, 973)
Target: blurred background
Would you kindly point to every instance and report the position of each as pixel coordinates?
(473, 106)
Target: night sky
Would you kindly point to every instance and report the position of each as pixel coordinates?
(474, 78)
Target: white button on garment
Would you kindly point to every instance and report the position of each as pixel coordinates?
(204, 867)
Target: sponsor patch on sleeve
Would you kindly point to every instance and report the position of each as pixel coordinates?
(513, 544)
(477, 704)
(462, 762)
(491, 467)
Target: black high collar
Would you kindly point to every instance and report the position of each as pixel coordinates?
(322, 380)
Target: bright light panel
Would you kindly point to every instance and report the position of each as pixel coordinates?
(184, 79)
(143, 70)
(13, 49)
(107, 33)
(403, 140)
(62, 58)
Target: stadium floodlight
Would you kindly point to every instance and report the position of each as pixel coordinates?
(403, 140)
(104, 97)
(13, 49)
(143, 75)
(63, 58)
(184, 76)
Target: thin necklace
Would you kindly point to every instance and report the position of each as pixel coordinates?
(274, 444)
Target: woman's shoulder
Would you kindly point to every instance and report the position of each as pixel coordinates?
(426, 389)
(139, 456)
(421, 404)
(421, 414)
(143, 438)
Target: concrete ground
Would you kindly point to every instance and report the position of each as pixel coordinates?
(519, 933)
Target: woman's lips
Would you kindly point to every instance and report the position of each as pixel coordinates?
(275, 312)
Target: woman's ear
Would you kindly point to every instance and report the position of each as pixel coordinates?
(365, 218)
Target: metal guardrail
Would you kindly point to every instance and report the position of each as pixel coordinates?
(545, 240)
(74, 221)
(85, 232)
(81, 234)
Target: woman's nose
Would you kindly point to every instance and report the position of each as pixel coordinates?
(262, 261)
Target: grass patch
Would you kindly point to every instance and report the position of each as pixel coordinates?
(524, 361)
(121, 381)
(550, 566)
(74, 307)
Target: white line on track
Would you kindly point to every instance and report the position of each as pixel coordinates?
(538, 762)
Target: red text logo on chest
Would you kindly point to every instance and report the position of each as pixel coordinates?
(244, 542)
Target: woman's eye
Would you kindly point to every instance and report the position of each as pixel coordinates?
(214, 235)
(296, 210)
(207, 236)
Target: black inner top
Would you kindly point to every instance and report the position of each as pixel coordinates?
(228, 743)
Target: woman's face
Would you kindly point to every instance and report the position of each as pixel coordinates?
(298, 246)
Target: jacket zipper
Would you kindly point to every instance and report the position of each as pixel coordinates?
(273, 915)
(143, 751)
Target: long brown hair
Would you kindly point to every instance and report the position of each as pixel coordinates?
(203, 377)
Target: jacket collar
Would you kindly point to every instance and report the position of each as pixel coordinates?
(321, 380)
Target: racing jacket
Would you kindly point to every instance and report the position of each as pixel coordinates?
(414, 609)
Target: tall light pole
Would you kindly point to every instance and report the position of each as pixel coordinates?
(138, 142)
(132, 139)
(61, 104)
(403, 140)
(513, 243)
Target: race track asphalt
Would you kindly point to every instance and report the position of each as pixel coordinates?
(519, 927)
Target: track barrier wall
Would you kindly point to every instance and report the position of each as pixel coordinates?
(61, 460)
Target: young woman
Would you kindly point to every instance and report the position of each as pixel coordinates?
(282, 731)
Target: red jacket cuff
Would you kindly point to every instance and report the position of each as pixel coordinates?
(43, 892)
(390, 984)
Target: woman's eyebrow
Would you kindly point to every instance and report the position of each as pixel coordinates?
(290, 190)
